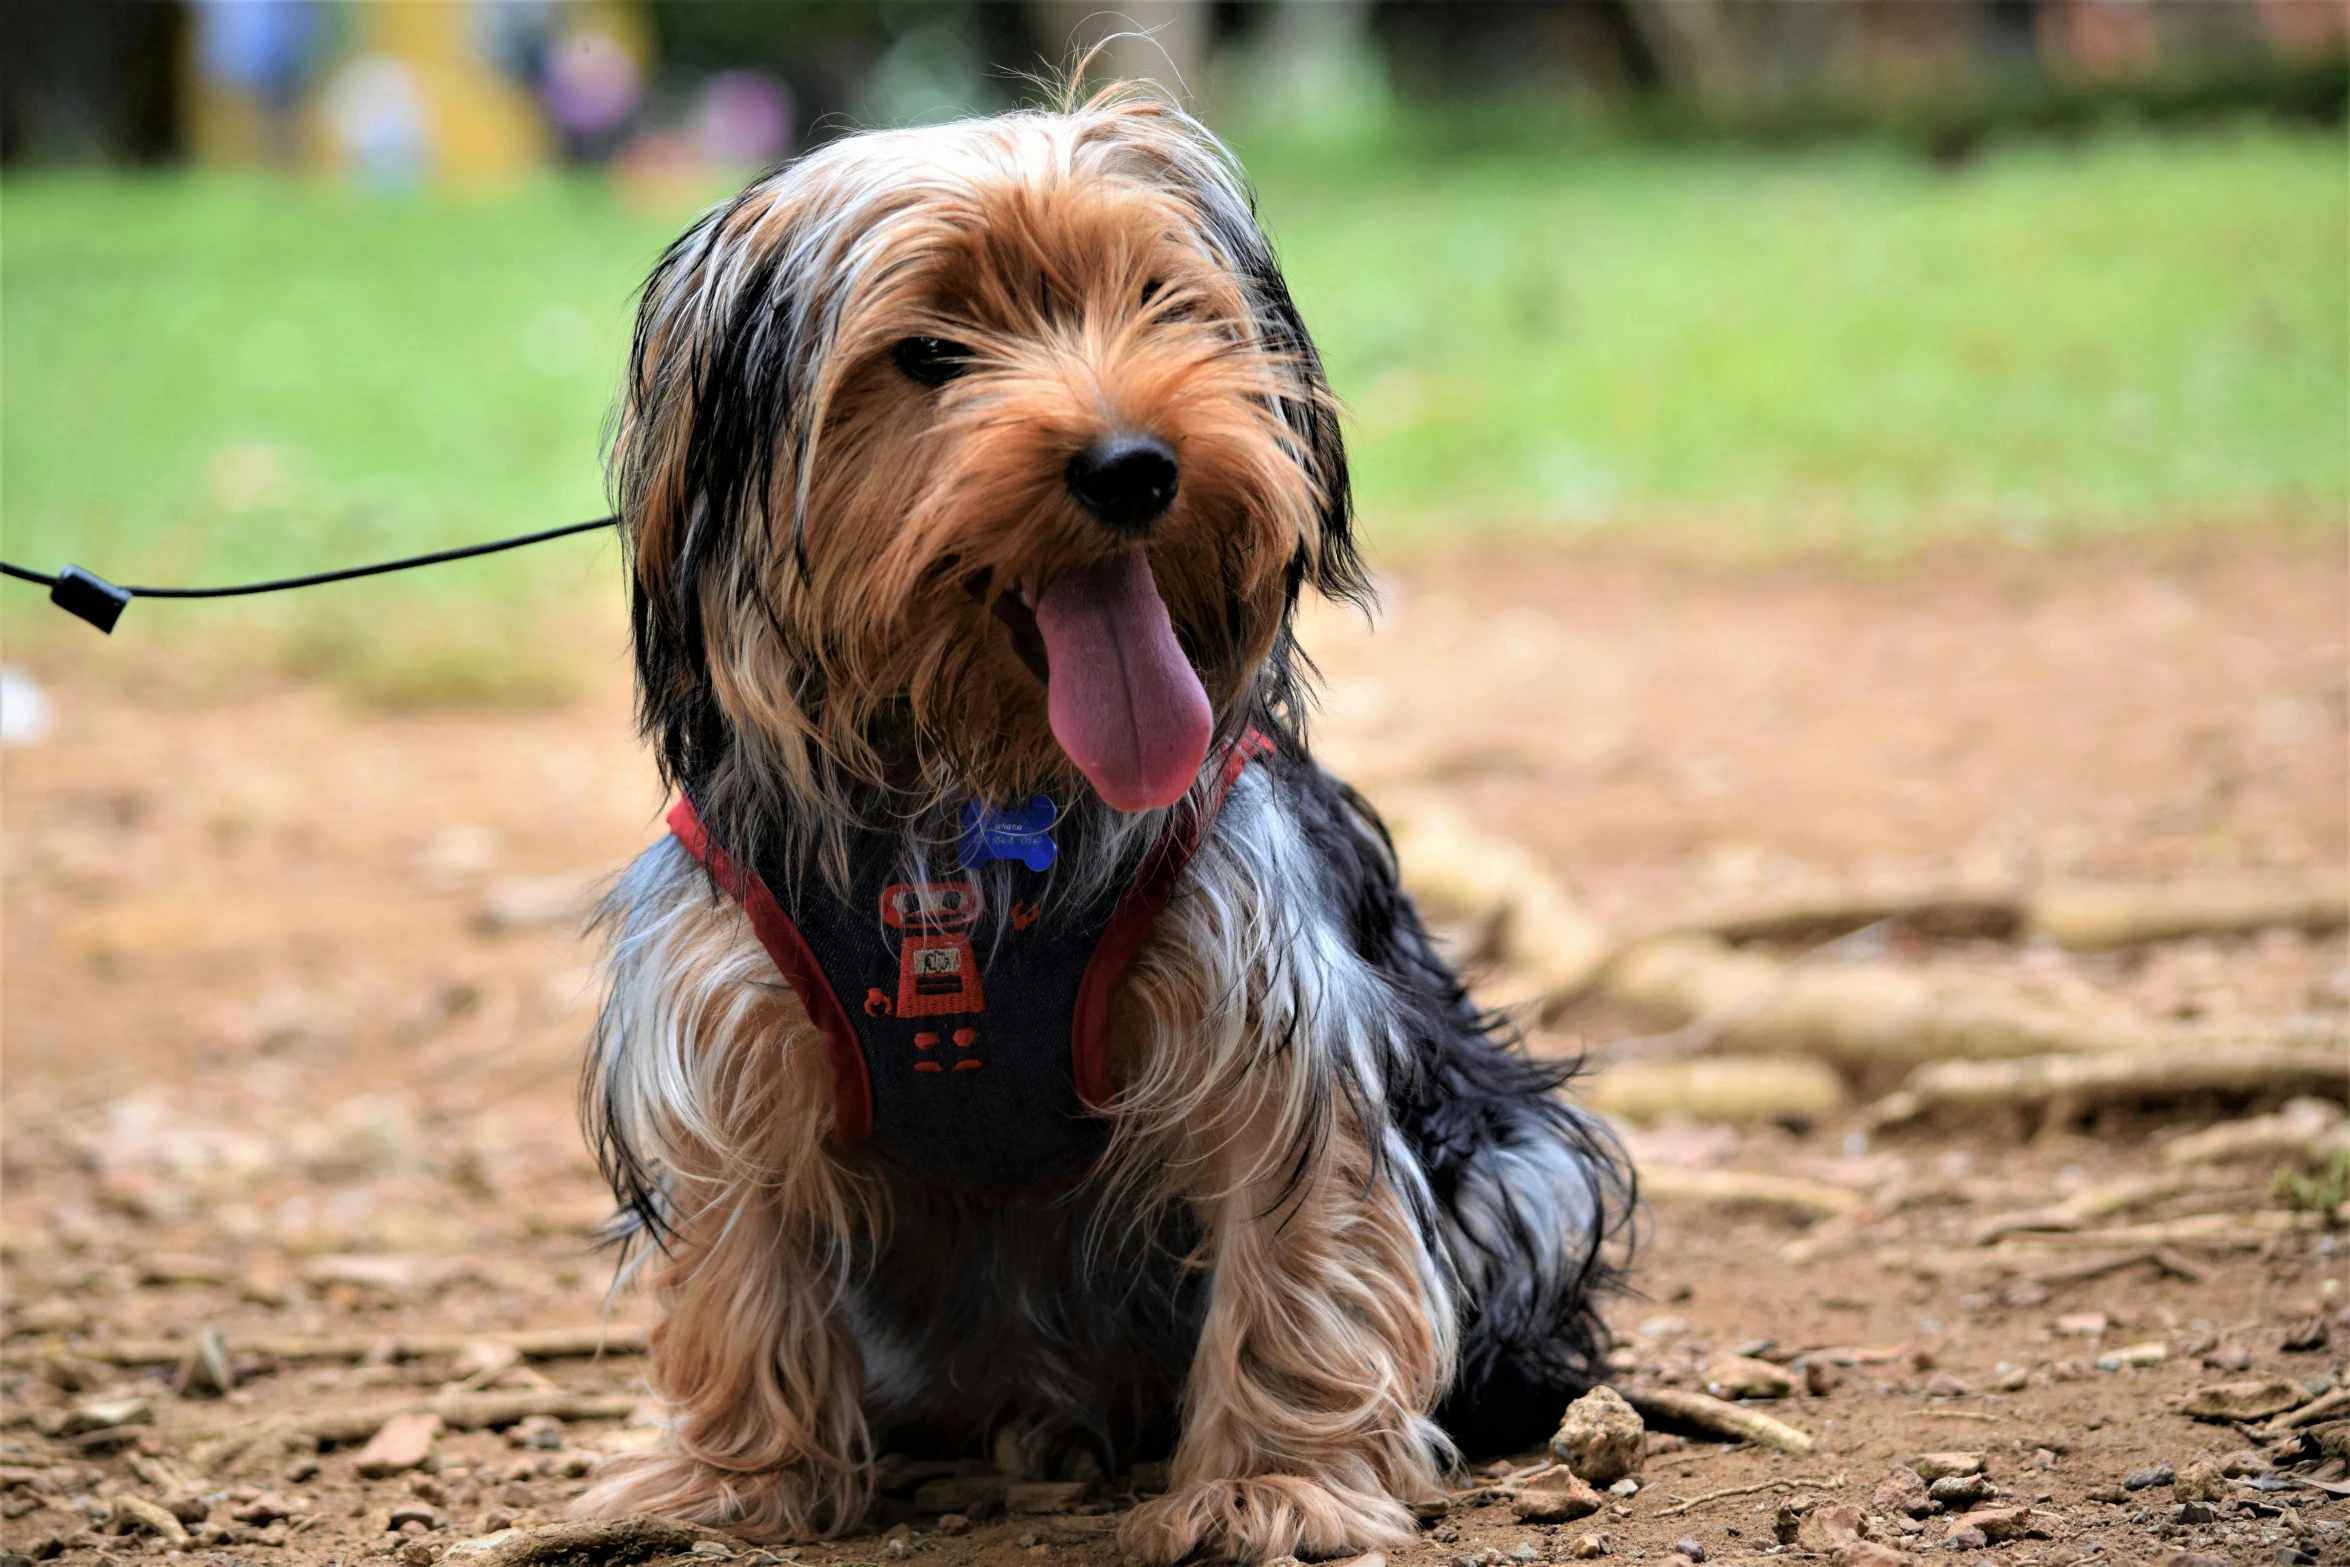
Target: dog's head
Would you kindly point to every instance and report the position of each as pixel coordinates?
(976, 458)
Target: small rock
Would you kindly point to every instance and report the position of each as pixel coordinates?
(2160, 1474)
(1995, 1524)
(399, 1445)
(1902, 1493)
(2134, 1357)
(1664, 1329)
(1943, 1385)
(206, 1370)
(2229, 1357)
(2193, 1513)
(1039, 1498)
(1690, 1546)
(105, 1414)
(135, 1512)
(1628, 1486)
(1738, 1376)
(1587, 1547)
(2110, 1495)
(2082, 1324)
(2199, 1482)
(1820, 1377)
(542, 1433)
(711, 1548)
(2243, 1463)
(301, 1469)
(1959, 1493)
(416, 1553)
(1867, 1553)
(1525, 1553)
(1828, 1528)
(1931, 1467)
(2013, 1380)
(2255, 1400)
(974, 1496)
(2306, 1337)
(1601, 1438)
(1965, 1537)
(425, 1488)
(1555, 1496)
(406, 1513)
(263, 1510)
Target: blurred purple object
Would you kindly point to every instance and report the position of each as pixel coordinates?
(593, 87)
(256, 46)
(742, 118)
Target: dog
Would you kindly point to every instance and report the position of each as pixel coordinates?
(1021, 1047)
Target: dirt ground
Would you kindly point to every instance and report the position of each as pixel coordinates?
(294, 1005)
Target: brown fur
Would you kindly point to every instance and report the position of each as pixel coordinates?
(846, 635)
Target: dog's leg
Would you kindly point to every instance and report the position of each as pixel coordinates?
(1325, 1340)
(709, 1081)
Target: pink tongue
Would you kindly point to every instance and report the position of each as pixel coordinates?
(1123, 699)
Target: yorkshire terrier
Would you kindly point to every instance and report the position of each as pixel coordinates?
(1020, 1046)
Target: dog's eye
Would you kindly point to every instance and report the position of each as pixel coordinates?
(933, 361)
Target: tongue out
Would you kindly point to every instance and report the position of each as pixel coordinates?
(1124, 701)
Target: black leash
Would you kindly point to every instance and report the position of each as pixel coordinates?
(82, 592)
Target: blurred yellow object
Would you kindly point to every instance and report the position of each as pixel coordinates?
(476, 125)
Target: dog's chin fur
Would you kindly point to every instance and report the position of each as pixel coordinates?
(1345, 1228)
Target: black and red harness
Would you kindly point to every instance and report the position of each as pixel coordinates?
(969, 1043)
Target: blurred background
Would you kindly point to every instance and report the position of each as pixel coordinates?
(288, 282)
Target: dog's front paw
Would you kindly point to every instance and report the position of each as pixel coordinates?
(775, 1505)
(1269, 1515)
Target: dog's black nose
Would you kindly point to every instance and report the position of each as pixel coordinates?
(1128, 481)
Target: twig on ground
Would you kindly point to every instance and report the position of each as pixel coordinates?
(1834, 1482)
(2203, 1068)
(1861, 1017)
(1535, 926)
(2097, 1202)
(586, 1543)
(1744, 1186)
(2095, 917)
(546, 1344)
(1720, 1416)
(1716, 1088)
(2318, 1408)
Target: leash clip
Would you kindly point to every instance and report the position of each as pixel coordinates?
(90, 596)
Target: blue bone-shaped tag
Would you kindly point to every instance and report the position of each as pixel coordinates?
(1024, 833)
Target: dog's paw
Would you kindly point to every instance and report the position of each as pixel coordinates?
(771, 1506)
(1269, 1515)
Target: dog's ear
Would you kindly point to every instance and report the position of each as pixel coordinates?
(1185, 156)
(707, 420)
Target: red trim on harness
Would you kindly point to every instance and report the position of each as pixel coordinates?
(1089, 1038)
(852, 1094)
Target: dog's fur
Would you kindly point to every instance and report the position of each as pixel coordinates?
(1343, 1224)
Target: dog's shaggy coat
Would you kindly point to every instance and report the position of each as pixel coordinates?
(1342, 1225)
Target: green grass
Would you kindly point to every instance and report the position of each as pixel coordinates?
(204, 377)
(1843, 345)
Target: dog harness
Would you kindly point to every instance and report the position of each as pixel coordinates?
(969, 1043)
